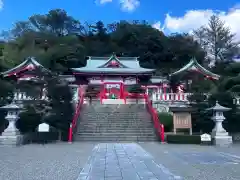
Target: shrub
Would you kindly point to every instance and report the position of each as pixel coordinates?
(29, 121)
(167, 120)
(183, 139)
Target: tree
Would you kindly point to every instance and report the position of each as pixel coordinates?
(57, 109)
(217, 39)
(51, 38)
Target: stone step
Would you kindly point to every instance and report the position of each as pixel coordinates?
(114, 127)
(117, 134)
(115, 120)
(129, 123)
(116, 139)
(110, 114)
(115, 123)
(117, 130)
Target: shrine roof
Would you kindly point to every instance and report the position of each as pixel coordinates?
(113, 64)
(193, 65)
(29, 63)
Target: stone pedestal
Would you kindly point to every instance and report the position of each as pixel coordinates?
(222, 141)
(11, 136)
(220, 136)
(11, 140)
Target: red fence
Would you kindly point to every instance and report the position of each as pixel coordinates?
(75, 117)
(158, 126)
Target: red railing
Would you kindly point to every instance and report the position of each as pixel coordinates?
(73, 125)
(158, 126)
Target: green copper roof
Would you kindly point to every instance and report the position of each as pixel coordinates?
(30, 61)
(194, 65)
(100, 65)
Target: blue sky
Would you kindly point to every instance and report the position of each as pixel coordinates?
(171, 15)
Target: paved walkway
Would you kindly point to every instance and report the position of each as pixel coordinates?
(127, 161)
(113, 161)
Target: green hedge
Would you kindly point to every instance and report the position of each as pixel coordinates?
(167, 120)
(183, 139)
(44, 137)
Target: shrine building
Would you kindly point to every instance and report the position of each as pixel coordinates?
(113, 75)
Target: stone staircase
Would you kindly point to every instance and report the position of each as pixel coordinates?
(131, 123)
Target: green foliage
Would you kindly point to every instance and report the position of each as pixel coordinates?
(230, 84)
(59, 42)
(200, 117)
(183, 139)
(61, 107)
(57, 111)
(167, 120)
(29, 120)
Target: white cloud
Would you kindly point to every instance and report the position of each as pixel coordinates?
(1, 4)
(126, 5)
(104, 1)
(158, 26)
(194, 19)
(129, 5)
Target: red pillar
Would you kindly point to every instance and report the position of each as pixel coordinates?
(70, 134)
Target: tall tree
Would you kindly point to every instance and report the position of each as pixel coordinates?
(217, 39)
(51, 38)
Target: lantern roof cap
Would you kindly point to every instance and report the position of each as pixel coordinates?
(10, 106)
(218, 107)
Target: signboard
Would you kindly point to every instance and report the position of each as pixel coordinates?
(205, 137)
(43, 127)
(182, 120)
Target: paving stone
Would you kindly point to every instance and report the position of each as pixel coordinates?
(125, 161)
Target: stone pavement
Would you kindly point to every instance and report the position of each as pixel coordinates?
(63, 161)
(196, 162)
(119, 161)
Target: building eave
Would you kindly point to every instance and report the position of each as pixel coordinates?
(112, 70)
(24, 65)
(194, 64)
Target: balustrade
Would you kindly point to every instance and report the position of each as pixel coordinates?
(170, 97)
(163, 97)
(182, 97)
(22, 96)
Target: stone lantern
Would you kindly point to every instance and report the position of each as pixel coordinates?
(219, 135)
(11, 135)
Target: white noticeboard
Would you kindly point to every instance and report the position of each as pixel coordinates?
(205, 137)
(43, 127)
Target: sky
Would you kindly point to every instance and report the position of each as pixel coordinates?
(168, 15)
